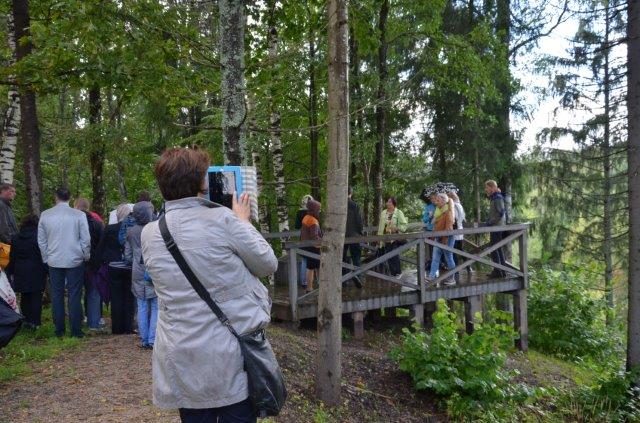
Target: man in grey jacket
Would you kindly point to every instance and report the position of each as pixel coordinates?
(8, 226)
(65, 244)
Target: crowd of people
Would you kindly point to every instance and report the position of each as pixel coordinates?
(443, 211)
(87, 263)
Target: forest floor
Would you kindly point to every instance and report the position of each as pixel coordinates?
(108, 379)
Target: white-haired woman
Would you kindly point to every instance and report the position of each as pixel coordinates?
(443, 221)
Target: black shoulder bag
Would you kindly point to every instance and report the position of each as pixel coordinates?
(267, 391)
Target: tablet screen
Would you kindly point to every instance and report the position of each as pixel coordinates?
(222, 185)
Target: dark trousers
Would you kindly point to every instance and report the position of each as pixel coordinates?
(123, 303)
(241, 412)
(355, 252)
(74, 279)
(498, 255)
(394, 262)
(31, 307)
(457, 259)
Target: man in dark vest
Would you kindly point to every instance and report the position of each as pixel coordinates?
(353, 229)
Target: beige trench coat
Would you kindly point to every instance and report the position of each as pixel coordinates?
(197, 362)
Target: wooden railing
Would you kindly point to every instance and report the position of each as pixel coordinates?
(413, 241)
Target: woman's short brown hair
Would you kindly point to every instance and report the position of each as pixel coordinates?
(180, 172)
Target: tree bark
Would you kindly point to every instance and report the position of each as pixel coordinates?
(607, 245)
(274, 123)
(29, 130)
(381, 109)
(12, 117)
(234, 110)
(633, 157)
(330, 297)
(313, 112)
(96, 157)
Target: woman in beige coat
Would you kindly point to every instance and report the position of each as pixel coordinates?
(197, 362)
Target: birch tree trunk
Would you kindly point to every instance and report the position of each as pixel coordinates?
(381, 109)
(29, 130)
(633, 157)
(234, 110)
(329, 373)
(12, 117)
(274, 124)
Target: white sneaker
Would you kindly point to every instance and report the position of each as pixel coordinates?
(450, 282)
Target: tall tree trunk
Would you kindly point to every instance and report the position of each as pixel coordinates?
(29, 130)
(96, 156)
(330, 297)
(313, 111)
(234, 111)
(381, 108)
(274, 123)
(12, 117)
(476, 181)
(62, 105)
(633, 157)
(607, 245)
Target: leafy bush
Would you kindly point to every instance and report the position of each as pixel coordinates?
(469, 368)
(566, 318)
(613, 399)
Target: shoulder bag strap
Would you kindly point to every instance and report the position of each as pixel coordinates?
(191, 277)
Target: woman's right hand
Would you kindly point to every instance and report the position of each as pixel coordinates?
(242, 207)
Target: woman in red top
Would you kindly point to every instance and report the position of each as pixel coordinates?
(310, 230)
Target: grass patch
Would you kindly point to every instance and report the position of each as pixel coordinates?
(543, 365)
(30, 347)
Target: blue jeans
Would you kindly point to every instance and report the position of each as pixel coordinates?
(302, 271)
(74, 279)
(147, 319)
(241, 412)
(93, 303)
(437, 255)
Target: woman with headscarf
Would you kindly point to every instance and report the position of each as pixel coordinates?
(311, 231)
(141, 286)
(302, 212)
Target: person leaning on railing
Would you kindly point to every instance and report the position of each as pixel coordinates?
(497, 217)
(392, 221)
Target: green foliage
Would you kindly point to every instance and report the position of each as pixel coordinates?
(612, 399)
(468, 369)
(566, 318)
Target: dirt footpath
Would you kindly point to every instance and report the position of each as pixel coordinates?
(108, 379)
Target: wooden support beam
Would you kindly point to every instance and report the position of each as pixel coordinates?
(417, 314)
(520, 319)
(429, 309)
(293, 284)
(472, 305)
(358, 324)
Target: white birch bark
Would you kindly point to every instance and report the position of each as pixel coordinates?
(11, 129)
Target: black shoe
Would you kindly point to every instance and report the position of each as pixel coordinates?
(495, 274)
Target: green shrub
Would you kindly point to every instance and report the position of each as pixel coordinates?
(468, 369)
(566, 317)
(613, 399)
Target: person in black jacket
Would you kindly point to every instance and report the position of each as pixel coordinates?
(353, 229)
(28, 271)
(110, 253)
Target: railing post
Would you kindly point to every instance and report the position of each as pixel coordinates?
(293, 284)
(522, 246)
(422, 270)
